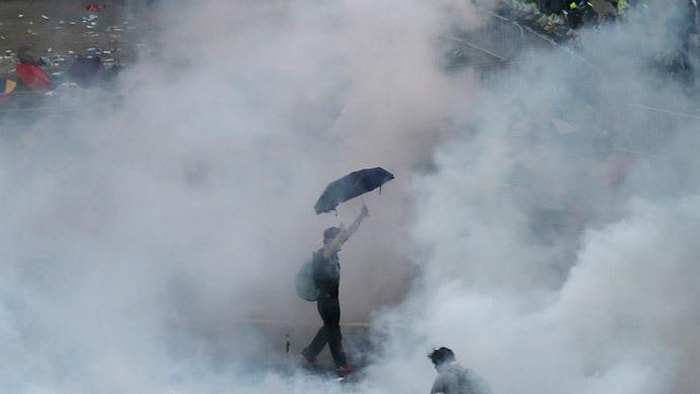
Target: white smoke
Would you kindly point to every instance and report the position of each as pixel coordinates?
(602, 298)
(151, 244)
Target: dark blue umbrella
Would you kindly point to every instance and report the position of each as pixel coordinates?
(350, 186)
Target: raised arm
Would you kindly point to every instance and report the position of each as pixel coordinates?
(344, 233)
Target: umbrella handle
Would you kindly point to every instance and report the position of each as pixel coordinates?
(362, 199)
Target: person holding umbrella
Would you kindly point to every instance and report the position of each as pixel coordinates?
(326, 275)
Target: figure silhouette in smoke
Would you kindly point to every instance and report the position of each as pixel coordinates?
(326, 275)
(452, 377)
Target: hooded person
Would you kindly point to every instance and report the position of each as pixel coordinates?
(452, 377)
(326, 275)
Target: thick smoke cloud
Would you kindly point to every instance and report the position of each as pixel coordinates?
(540, 224)
(599, 298)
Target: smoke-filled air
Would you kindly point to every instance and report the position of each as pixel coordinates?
(542, 221)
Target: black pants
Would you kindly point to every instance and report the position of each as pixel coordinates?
(329, 309)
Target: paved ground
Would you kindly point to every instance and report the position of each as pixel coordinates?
(59, 30)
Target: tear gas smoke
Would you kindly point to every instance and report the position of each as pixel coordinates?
(541, 222)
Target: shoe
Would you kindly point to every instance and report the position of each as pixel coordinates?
(345, 369)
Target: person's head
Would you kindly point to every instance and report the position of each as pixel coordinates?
(25, 56)
(330, 233)
(441, 355)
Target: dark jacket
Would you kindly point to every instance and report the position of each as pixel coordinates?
(327, 274)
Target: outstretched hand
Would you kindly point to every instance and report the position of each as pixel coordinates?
(364, 212)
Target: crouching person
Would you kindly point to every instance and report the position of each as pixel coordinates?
(452, 377)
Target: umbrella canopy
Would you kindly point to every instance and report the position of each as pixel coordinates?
(350, 186)
(33, 76)
(7, 86)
